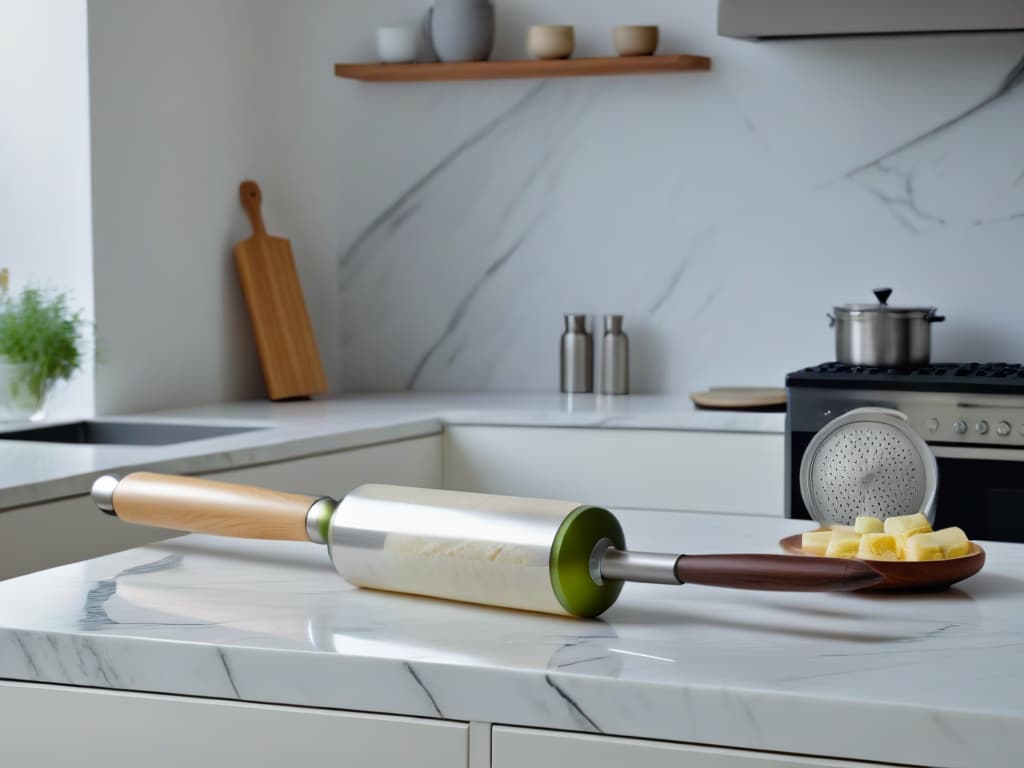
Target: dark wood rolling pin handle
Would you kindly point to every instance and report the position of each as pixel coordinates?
(777, 572)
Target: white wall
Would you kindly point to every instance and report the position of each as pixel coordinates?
(44, 163)
(442, 229)
(174, 100)
(723, 213)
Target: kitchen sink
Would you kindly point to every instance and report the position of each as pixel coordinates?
(122, 433)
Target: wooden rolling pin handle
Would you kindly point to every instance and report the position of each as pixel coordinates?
(777, 572)
(252, 199)
(205, 506)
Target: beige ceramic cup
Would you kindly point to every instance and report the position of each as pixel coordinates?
(635, 40)
(550, 41)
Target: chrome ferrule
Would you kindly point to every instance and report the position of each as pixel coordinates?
(318, 517)
(648, 567)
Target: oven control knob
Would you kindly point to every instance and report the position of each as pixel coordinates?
(933, 424)
(981, 427)
(959, 426)
(1003, 428)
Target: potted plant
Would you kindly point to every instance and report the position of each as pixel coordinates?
(42, 341)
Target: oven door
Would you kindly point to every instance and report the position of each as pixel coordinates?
(982, 491)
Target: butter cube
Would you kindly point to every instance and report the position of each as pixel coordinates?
(904, 537)
(923, 546)
(815, 542)
(953, 541)
(877, 546)
(901, 523)
(866, 524)
(843, 544)
(904, 527)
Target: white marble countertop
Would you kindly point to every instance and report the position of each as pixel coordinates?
(35, 472)
(930, 679)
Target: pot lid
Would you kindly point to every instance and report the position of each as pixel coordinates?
(883, 294)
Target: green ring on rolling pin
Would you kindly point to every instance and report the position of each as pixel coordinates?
(324, 526)
(570, 561)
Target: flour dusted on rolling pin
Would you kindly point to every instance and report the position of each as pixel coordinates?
(493, 573)
(471, 551)
(477, 548)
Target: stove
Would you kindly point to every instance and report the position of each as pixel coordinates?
(1007, 378)
(970, 414)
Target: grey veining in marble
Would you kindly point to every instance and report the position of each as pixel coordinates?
(933, 679)
(723, 213)
(34, 472)
(894, 177)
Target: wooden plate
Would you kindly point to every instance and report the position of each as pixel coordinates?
(925, 576)
(741, 398)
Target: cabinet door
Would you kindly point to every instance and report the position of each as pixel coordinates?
(728, 472)
(64, 531)
(415, 462)
(66, 726)
(518, 747)
(68, 530)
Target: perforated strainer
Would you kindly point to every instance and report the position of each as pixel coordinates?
(869, 461)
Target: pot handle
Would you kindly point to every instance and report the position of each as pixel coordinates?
(831, 320)
(934, 317)
(882, 294)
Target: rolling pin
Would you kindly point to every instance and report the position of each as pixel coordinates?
(531, 554)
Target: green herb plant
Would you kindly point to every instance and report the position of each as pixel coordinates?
(41, 332)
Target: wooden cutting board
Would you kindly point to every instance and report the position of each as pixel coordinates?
(741, 398)
(284, 336)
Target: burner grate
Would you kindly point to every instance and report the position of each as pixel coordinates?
(959, 377)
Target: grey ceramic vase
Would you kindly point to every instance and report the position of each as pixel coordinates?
(462, 30)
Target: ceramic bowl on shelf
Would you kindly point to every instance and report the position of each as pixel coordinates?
(397, 45)
(635, 40)
(551, 41)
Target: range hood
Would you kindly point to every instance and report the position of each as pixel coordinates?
(800, 18)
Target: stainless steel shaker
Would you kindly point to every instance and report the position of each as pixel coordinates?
(577, 356)
(614, 357)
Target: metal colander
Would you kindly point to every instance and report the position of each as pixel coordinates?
(868, 461)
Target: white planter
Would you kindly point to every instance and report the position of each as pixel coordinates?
(16, 402)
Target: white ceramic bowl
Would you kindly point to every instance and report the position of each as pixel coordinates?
(397, 45)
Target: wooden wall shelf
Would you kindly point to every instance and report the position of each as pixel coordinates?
(527, 68)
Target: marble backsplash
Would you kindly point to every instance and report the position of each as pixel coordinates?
(722, 213)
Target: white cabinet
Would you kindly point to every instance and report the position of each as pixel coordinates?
(726, 472)
(68, 530)
(415, 462)
(730, 472)
(518, 747)
(71, 726)
(66, 726)
(64, 531)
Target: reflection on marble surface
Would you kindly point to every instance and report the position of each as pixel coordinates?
(272, 622)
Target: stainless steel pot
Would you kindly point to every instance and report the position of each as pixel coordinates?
(880, 335)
